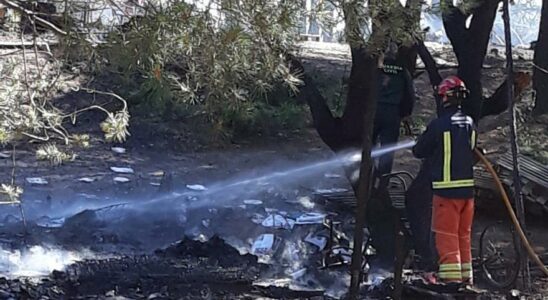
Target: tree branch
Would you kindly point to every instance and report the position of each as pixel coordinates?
(498, 102)
(429, 63)
(432, 69)
(92, 91)
(470, 47)
(327, 126)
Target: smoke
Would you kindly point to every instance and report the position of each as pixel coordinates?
(39, 260)
(340, 285)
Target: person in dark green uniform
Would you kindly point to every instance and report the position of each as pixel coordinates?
(395, 100)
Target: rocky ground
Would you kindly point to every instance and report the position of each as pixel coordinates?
(161, 217)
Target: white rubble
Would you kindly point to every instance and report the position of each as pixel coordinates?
(122, 170)
(121, 179)
(37, 180)
(118, 150)
(318, 241)
(278, 221)
(263, 244)
(196, 187)
(310, 218)
(253, 202)
(87, 179)
(332, 190)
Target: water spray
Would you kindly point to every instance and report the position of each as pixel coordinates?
(237, 186)
(347, 158)
(353, 156)
(380, 151)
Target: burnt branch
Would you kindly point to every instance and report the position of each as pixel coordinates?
(429, 63)
(432, 70)
(498, 102)
(454, 23)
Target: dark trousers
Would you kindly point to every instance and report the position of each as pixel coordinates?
(418, 204)
(386, 130)
(381, 214)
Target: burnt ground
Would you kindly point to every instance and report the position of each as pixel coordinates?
(143, 239)
(127, 222)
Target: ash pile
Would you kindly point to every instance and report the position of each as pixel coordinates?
(186, 270)
(233, 252)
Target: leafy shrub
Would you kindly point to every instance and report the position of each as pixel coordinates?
(180, 53)
(263, 118)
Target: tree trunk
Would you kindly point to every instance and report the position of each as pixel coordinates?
(360, 82)
(540, 73)
(470, 47)
(355, 128)
(363, 190)
(357, 124)
(409, 53)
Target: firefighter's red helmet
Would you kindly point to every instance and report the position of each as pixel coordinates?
(452, 86)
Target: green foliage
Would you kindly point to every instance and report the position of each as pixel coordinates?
(30, 80)
(229, 54)
(291, 116)
(183, 54)
(417, 125)
(263, 118)
(12, 194)
(373, 25)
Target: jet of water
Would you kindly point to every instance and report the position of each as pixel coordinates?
(286, 175)
(353, 156)
(380, 151)
(237, 188)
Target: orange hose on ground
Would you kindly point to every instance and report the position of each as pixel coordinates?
(506, 201)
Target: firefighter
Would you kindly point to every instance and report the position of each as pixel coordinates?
(448, 146)
(395, 100)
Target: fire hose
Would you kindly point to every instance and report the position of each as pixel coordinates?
(512, 214)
